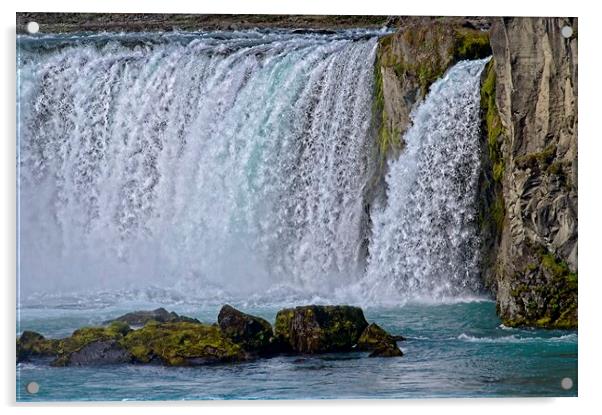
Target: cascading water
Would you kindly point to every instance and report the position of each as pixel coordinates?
(235, 163)
(236, 160)
(425, 241)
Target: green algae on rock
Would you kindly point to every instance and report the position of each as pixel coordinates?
(379, 342)
(160, 315)
(182, 344)
(253, 334)
(319, 329)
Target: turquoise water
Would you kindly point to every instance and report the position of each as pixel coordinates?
(453, 350)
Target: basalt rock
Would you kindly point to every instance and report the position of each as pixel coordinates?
(160, 315)
(96, 353)
(377, 340)
(319, 329)
(253, 334)
(530, 132)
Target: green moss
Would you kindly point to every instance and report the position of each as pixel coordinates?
(182, 343)
(556, 305)
(539, 160)
(471, 44)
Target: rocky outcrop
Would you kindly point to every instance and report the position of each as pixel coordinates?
(237, 337)
(96, 353)
(160, 315)
(530, 119)
(254, 334)
(410, 60)
(379, 342)
(182, 344)
(319, 329)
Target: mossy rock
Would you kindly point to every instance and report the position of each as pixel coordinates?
(252, 333)
(161, 315)
(182, 344)
(319, 329)
(33, 345)
(375, 337)
(81, 338)
(546, 293)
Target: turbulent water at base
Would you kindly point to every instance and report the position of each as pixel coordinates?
(236, 161)
(425, 241)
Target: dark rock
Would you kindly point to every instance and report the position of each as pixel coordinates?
(182, 344)
(32, 345)
(319, 329)
(160, 315)
(88, 344)
(105, 352)
(377, 340)
(254, 334)
(387, 352)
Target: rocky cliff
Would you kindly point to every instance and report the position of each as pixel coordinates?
(528, 186)
(532, 149)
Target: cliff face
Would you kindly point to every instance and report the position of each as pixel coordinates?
(528, 186)
(533, 160)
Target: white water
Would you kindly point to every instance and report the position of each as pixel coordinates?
(425, 242)
(235, 164)
(237, 161)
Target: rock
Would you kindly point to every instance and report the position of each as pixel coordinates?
(182, 344)
(530, 103)
(34, 345)
(319, 329)
(377, 340)
(410, 60)
(254, 334)
(104, 352)
(92, 345)
(386, 352)
(160, 315)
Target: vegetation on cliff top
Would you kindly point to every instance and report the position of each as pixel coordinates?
(418, 55)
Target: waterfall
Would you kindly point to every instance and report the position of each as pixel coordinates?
(235, 164)
(228, 160)
(425, 241)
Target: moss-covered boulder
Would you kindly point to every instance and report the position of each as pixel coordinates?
(160, 315)
(379, 342)
(92, 346)
(33, 345)
(253, 334)
(319, 329)
(182, 344)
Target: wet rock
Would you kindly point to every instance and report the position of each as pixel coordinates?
(160, 315)
(34, 345)
(254, 334)
(104, 352)
(91, 345)
(377, 340)
(182, 344)
(319, 329)
(386, 352)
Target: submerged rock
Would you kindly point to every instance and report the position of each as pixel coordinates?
(253, 334)
(160, 315)
(377, 340)
(182, 344)
(319, 329)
